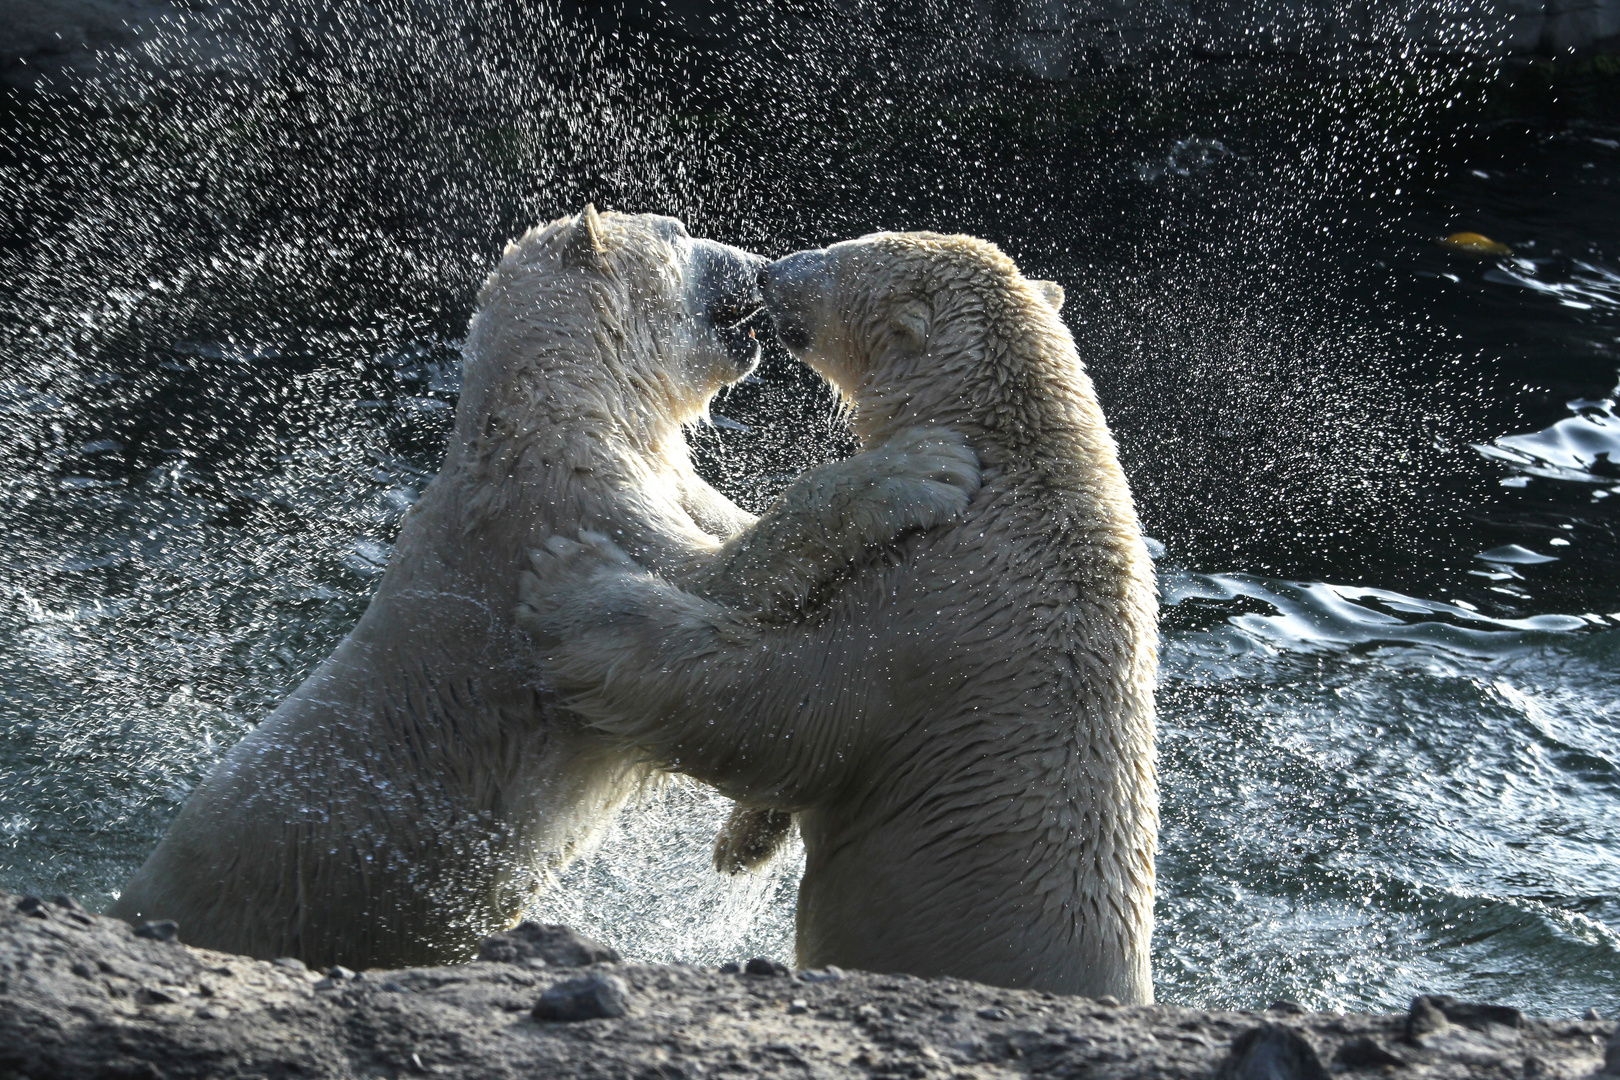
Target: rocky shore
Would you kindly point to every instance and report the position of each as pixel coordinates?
(84, 998)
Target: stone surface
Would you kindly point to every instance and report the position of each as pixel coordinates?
(1272, 1052)
(84, 997)
(557, 946)
(601, 995)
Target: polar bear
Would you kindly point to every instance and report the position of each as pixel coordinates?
(963, 725)
(417, 791)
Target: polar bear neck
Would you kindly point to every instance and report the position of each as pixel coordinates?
(570, 409)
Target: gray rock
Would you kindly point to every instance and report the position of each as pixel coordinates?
(1431, 1013)
(1272, 1052)
(1424, 1018)
(761, 966)
(1366, 1053)
(162, 930)
(558, 946)
(597, 996)
(94, 1000)
(830, 973)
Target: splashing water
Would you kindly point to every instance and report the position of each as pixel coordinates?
(235, 275)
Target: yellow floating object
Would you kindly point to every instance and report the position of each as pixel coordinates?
(1475, 244)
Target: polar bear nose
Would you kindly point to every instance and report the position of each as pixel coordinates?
(795, 288)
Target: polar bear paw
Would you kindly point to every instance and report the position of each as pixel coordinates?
(920, 479)
(751, 838)
(931, 471)
(568, 585)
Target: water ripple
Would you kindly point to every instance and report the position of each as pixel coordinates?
(1584, 448)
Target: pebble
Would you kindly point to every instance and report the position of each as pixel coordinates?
(74, 909)
(1271, 1052)
(33, 906)
(161, 930)
(1423, 1018)
(828, 974)
(597, 996)
(292, 966)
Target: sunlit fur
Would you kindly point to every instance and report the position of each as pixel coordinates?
(418, 790)
(966, 729)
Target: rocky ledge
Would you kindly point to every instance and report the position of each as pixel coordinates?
(86, 998)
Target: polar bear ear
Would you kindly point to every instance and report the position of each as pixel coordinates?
(1051, 292)
(583, 245)
(911, 320)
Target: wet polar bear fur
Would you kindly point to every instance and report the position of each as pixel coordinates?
(964, 727)
(417, 791)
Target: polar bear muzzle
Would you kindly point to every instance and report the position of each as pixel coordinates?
(796, 288)
(727, 287)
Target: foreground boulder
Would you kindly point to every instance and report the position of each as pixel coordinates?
(88, 997)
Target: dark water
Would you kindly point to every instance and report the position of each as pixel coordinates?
(1384, 473)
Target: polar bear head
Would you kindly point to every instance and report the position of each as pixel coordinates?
(892, 313)
(626, 314)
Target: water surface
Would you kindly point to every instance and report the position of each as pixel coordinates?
(1382, 472)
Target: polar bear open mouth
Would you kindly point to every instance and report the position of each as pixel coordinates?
(741, 338)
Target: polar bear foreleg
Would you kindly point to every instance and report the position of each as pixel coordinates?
(770, 717)
(831, 516)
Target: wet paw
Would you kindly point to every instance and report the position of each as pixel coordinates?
(750, 839)
(930, 475)
(936, 455)
(549, 591)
